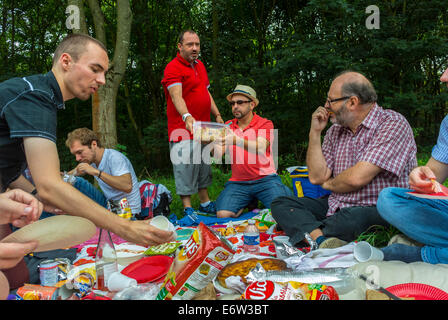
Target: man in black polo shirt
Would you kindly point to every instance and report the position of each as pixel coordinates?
(28, 108)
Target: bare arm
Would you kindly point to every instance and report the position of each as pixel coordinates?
(180, 105)
(353, 178)
(215, 110)
(315, 160)
(43, 161)
(259, 145)
(122, 183)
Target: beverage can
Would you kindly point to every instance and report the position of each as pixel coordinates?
(125, 209)
(120, 207)
(48, 272)
(53, 272)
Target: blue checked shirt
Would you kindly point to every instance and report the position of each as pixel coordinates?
(440, 150)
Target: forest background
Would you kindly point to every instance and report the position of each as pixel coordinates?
(288, 51)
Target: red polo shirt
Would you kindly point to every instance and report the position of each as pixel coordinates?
(246, 165)
(194, 81)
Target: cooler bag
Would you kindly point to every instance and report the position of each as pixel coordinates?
(302, 185)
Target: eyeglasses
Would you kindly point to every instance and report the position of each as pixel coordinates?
(238, 102)
(330, 101)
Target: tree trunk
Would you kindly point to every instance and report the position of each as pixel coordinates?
(104, 102)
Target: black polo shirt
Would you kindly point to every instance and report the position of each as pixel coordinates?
(28, 108)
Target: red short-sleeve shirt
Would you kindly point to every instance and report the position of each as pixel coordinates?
(247, 166)
(194, 81)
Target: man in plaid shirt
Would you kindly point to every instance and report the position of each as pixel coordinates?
(365, 150)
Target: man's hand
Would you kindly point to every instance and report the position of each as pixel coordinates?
(219, 119)
(12, 253)
(319, 120)
(420, 179)
(189, 123)
(19, 208)
(85, 168)
(142, 233)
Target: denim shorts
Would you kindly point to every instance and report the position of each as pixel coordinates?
(238, 194)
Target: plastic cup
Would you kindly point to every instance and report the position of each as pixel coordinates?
(365, 252)
(118, 281)
(162, 222)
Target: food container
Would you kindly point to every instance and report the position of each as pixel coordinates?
(208, 131)
(36, 292)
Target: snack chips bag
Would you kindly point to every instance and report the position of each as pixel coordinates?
(196, 265)
(291, 290)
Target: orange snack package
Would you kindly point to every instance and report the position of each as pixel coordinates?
(196, 265)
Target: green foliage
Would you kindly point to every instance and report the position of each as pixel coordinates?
(378, 236)
(287, 50)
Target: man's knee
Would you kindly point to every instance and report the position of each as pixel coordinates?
(387, 202)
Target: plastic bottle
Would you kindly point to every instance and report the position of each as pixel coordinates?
(251, 238)
(105, 260)
(69, 178)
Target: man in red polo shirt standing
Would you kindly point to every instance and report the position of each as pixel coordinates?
(186, 85)
(249, 146)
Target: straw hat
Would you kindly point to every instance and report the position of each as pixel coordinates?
(245, 91)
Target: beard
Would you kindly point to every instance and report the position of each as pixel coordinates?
(240, 114)
(342, 116)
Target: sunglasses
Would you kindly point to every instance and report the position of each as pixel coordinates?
(239, 102)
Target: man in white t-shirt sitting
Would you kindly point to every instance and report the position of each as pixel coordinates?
(112, 170)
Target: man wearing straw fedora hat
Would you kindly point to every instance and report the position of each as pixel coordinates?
(249, 146)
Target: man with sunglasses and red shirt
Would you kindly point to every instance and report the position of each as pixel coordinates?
(249, 146)
(366, 149)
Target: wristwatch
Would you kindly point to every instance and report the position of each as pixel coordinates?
(185, 116)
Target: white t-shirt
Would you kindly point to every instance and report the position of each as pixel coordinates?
(117, 164)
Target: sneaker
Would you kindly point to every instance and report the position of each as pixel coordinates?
(332, 243)
(403, 239)
(209, 210)
(192, 214)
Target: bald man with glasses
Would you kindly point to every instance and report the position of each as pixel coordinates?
(366, 149)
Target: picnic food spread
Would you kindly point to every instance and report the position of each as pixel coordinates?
(210, 262)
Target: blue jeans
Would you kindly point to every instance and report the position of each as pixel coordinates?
(424, 220)
(238, 194)
(87, 189)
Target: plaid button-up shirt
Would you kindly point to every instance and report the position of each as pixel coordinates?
(384, 139)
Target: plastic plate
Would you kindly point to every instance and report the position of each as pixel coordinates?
(419, 291)
(149, 269)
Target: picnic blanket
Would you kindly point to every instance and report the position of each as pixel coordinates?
(188, 221)
(341, 258)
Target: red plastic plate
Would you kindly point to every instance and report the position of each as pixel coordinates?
(148, 269)
(419, 291)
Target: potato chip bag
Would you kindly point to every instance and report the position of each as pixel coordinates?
(196, 265)
(291, 290)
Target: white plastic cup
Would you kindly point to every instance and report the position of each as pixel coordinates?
(365, 252)
(118, 281)
(162, 222)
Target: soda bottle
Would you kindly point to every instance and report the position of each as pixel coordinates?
(105, 260)
(251, 238)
